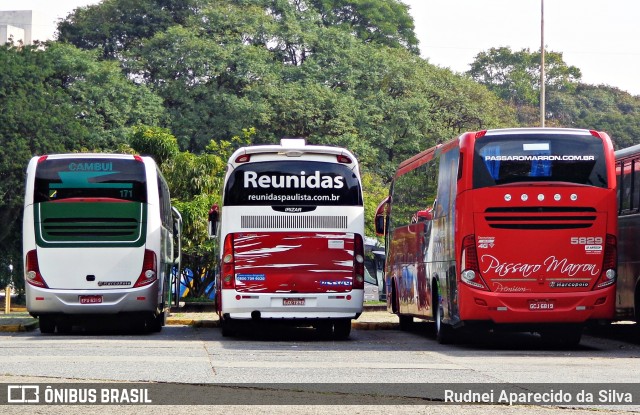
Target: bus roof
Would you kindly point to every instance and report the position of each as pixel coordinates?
(626, 152)
(538, 130)
(293, 147)
(426, 155)
(88, 155)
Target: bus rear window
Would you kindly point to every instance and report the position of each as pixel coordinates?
(293, 183)
(68, 178)
(507, 159)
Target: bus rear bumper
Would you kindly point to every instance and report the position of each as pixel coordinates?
(54, 301)
(244, 306)
(501, 308)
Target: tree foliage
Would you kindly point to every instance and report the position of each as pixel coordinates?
(598, 107)
(379, 21)
(114, 26)
(515, 76)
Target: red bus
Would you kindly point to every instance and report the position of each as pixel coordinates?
(509, 228)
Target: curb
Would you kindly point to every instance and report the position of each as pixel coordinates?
(379, 325)
(14, 328)
(192, 323)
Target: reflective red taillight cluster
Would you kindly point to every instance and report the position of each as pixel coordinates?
(33, 275)
(358, 263)
(609, 263)
(470, 274)
(228, 266)
(149, 271)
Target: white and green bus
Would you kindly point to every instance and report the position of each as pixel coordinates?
(99, 240)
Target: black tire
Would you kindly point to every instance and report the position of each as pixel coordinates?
(47, 324)
(405, 322)
(342, 329)
(443, 332)
(395, 305)
(65, 326)
(154, 323)
(227, 328)
(563, 336)
(324, 330)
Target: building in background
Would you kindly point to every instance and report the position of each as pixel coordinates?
(24, 26)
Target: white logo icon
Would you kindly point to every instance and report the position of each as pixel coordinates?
(23, 394)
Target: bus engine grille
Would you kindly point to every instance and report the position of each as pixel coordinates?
(71, 228)
(294, 222)
(533, 218)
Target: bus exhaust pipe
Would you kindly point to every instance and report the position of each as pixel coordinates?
(255, 315)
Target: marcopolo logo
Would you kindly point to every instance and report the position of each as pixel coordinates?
(252, 180)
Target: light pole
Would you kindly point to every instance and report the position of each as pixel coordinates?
(7, 291)
(542, 97)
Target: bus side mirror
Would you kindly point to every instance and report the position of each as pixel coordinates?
(426, 214)
(382, 213)
(214, 216)
(177, 236)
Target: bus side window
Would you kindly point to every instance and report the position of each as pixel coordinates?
(635, 191)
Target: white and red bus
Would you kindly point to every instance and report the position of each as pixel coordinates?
(291, 231)
(510, 228)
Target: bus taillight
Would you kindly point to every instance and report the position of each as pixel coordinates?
(33, 275)
(470, 274)
(358, 263)
(228, 267)
(609, 264)
(149, 271)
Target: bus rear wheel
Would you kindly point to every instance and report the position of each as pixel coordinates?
(154, 323)
(342, 329)
(565, 335)
(226, 327)
(443, 332)
(47, 324)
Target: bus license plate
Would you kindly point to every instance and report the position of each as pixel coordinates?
(90, 299)
(541, 305)
(292, 301)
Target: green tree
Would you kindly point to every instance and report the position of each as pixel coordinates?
(114, 26)
(157, 142)
(515, 76)
(377, 190)
(386, 22)
(598, 107)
